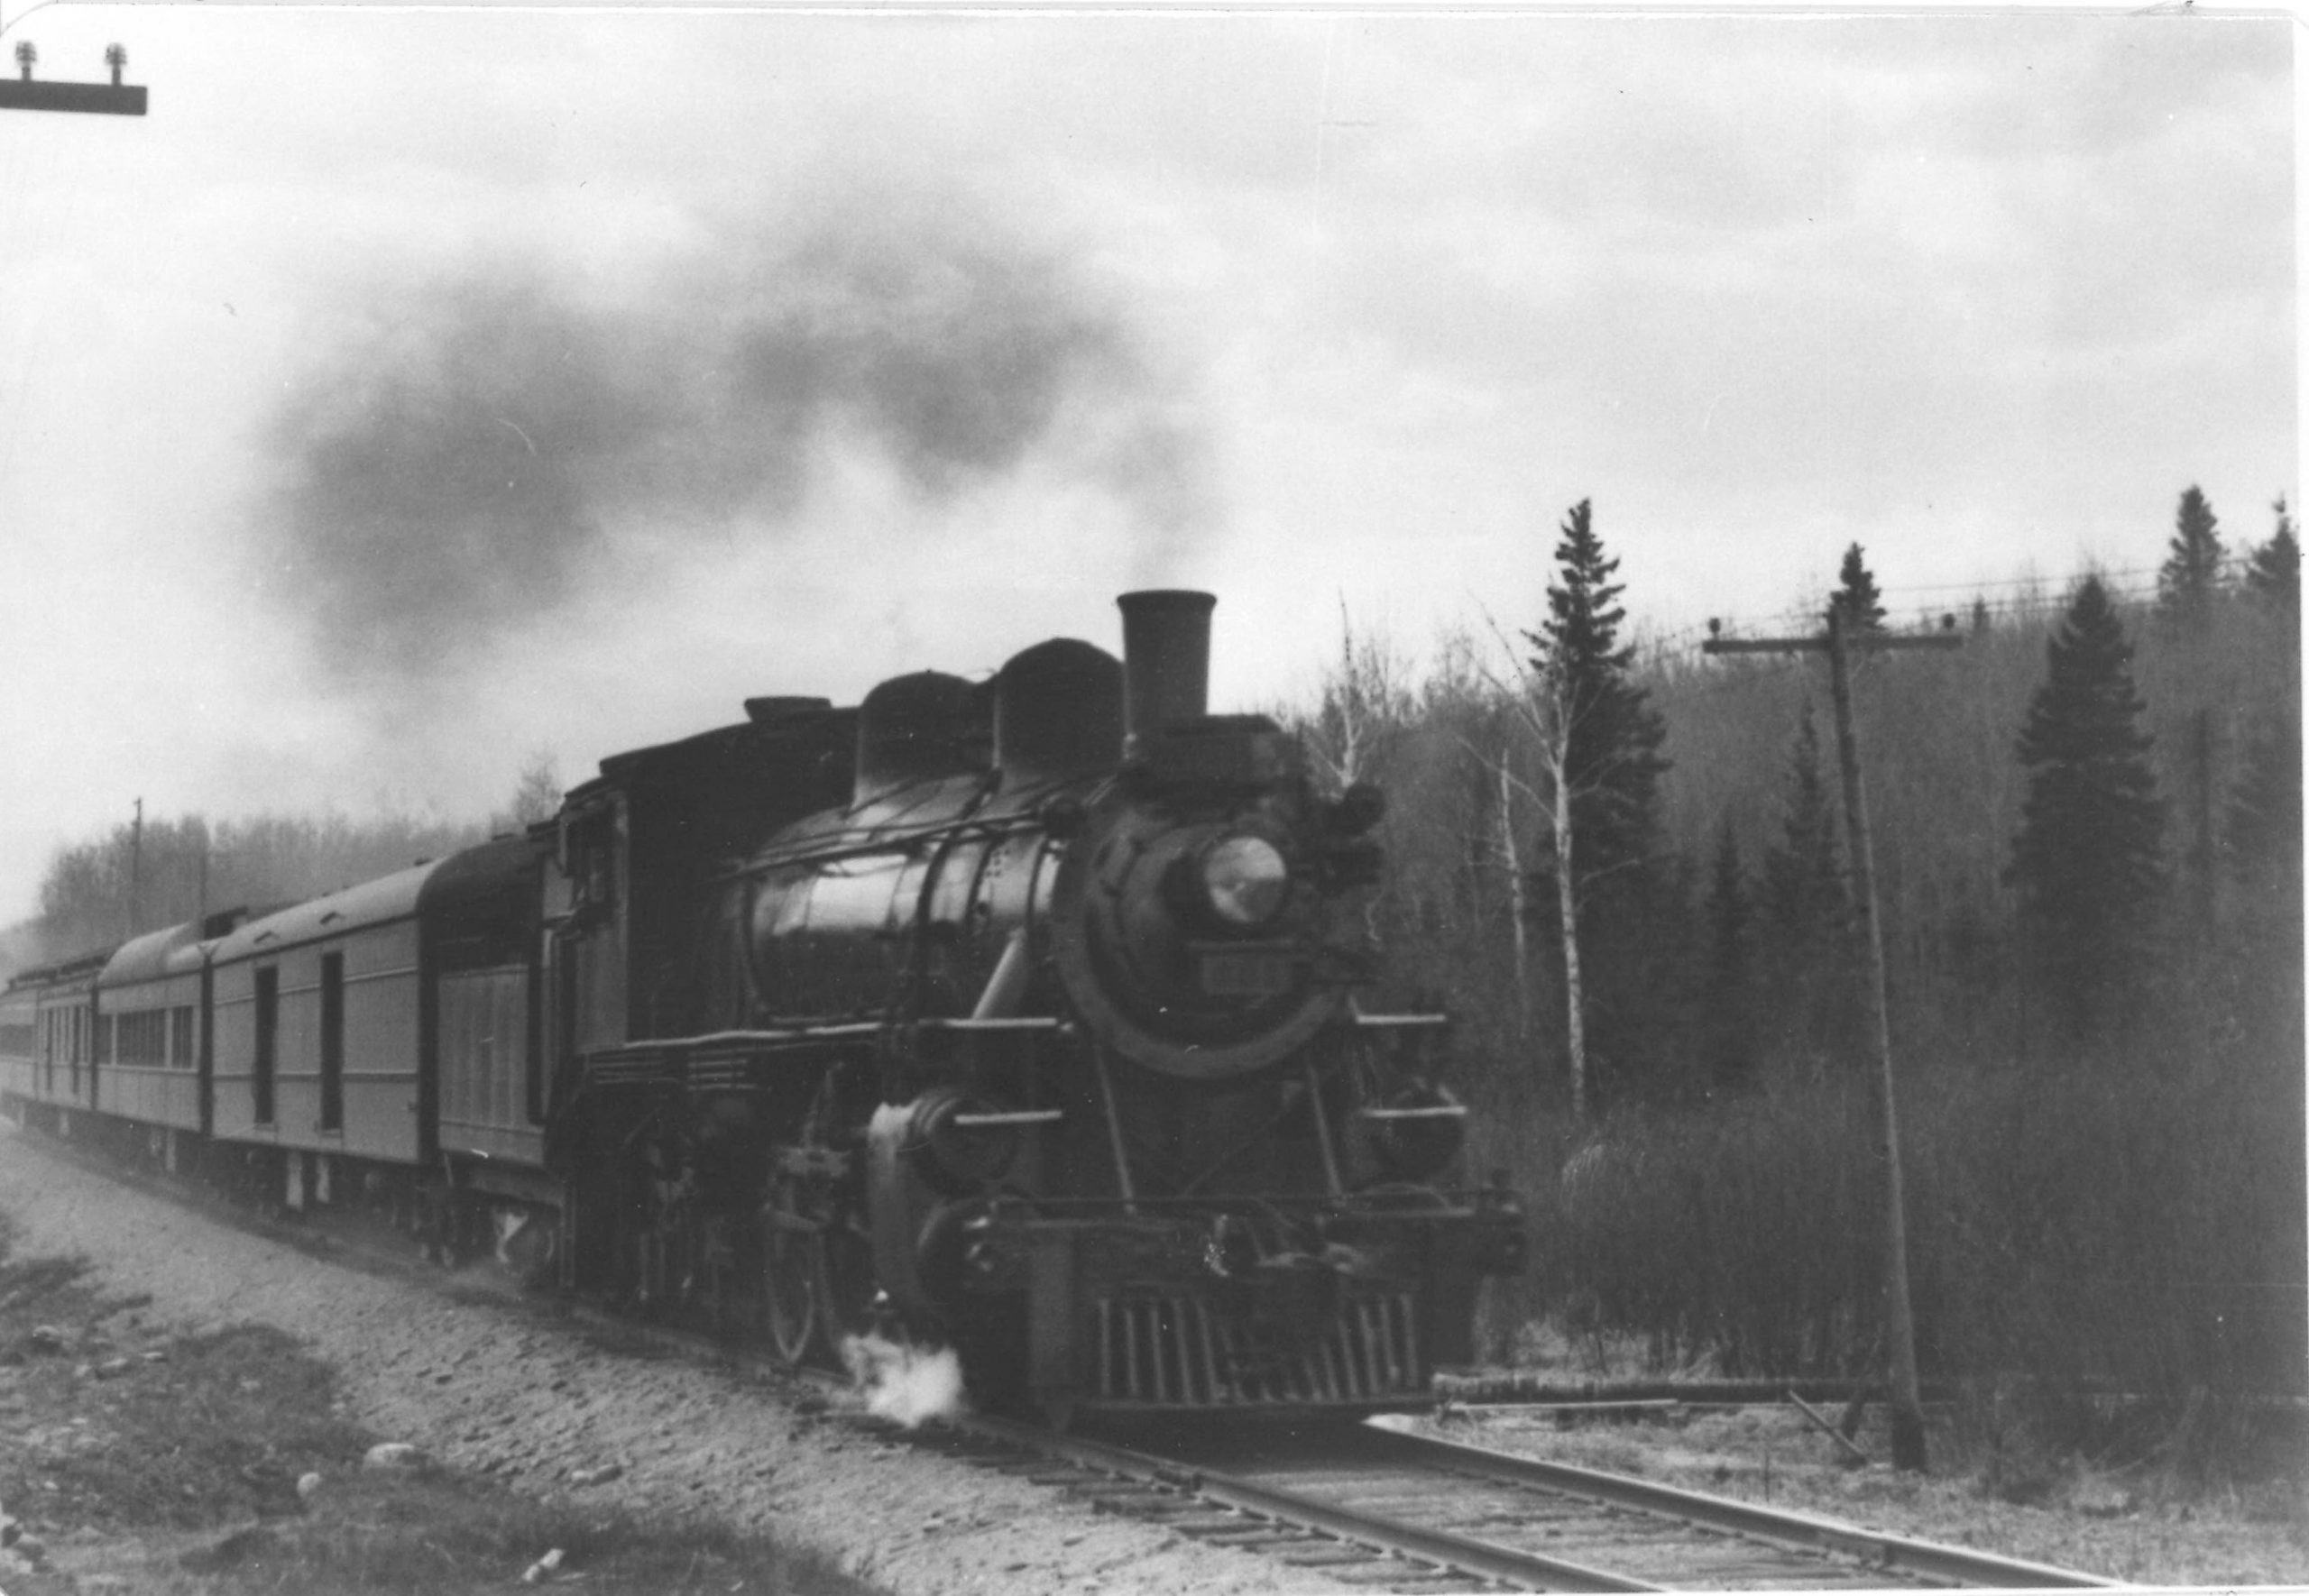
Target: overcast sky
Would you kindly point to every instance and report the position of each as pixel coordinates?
(411, 391)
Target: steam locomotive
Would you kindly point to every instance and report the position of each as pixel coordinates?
(1021, 1015)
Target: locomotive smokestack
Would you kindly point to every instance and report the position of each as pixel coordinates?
(1165, 661)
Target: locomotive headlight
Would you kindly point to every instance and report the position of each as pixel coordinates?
(1246, 879)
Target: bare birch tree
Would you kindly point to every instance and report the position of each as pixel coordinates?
(1540, 703)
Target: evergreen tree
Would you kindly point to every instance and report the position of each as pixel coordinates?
(2273, 574)
(1805, 979)
(2190, 579)
(2088, 860)
(1856, 598)
(1803, 892)
(1613, 764)
(2264, 831)
(1609, 782)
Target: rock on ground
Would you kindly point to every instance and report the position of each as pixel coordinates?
(482, 1387)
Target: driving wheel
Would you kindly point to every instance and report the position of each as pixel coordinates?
(793, 1279)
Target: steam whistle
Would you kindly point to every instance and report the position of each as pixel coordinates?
(25, 93)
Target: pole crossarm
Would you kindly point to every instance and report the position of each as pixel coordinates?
(109, 99)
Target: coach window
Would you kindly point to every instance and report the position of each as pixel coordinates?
(268, 1027)
(331, 1041)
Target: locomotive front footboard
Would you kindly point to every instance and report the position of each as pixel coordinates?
(1187, 1304)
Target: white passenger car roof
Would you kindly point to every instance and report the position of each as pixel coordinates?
(150, 957)
(373, 903)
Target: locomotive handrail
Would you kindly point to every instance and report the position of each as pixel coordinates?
(840, 1028)
(1449, 1203)
(837, 1028)
(859, 841)
(1437, 1110)
(652, 1047)
(658, 1044)
(1401, 1020)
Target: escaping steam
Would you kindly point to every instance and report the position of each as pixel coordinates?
(907, 1384)
(461, 468)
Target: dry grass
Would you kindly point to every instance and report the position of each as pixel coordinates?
(2137, 1524)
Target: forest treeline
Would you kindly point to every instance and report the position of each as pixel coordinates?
(156, 871)
(2086, 819)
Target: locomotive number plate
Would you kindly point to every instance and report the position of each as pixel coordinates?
(1248, 973)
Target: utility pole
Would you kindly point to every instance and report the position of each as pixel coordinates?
(112, 99)
(1900, 1328)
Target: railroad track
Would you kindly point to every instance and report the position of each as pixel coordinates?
(1372, 1505)
(1378, 1507)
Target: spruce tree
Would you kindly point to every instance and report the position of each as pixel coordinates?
(1856, 598)
(1624, 912)
(1613, 766)
(1806, 984)
(2088, 859)
(2273, 574)
(2263, 839)
(1803, 885)
(2190, 579)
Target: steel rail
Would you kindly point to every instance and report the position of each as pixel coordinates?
(1505, 1564)
(1878, 1550)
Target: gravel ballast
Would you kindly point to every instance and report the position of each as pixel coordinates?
(542, 1405)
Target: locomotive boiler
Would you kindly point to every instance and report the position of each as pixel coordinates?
(1042, 1040)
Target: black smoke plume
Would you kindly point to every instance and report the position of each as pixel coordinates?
(454, 473)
